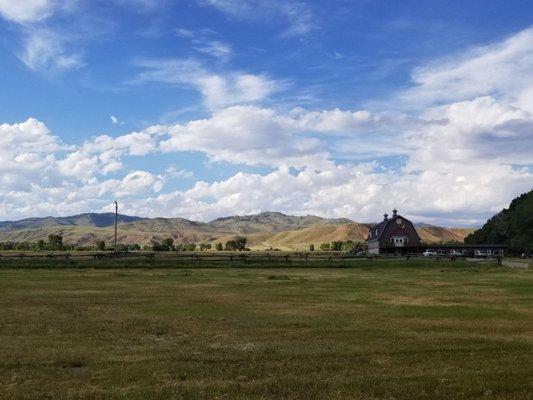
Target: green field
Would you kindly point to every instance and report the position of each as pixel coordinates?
(375, 331)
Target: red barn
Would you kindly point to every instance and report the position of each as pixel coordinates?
(396, 234)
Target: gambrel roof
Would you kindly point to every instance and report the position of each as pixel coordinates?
(383, 225)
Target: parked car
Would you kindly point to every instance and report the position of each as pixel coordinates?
(480, 253)
(429, 253)
(456, 253)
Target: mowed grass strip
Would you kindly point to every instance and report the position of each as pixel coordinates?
(434, 332)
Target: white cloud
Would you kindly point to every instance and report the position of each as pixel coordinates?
(296, 15)
(39, 175)
(175, 173)
(44, 50)
(29, 136)
(134, 183)
(463, 140)
(206, 41)
(359, 192)
(25, 11)
(79, 165)
(218, 90)
(246, 135)
(502, 70)
(216, 49)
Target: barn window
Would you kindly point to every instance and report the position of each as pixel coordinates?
(377, 232)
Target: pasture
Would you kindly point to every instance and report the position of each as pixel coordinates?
(418, 329)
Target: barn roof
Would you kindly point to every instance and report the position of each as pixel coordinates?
(383, 224)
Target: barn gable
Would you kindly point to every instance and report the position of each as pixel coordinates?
(392, 235)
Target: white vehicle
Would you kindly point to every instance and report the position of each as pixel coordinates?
(456, 253)
(429, 253)
(480, 253)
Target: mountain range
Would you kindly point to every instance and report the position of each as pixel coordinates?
(263, 231)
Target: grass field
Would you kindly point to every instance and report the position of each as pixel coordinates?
(436, 331)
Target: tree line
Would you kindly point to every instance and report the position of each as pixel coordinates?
(347, 246)
(55, 243)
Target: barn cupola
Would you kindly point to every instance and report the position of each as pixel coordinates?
(394, 213)
(385, 217)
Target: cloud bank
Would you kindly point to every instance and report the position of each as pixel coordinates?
(461, 135)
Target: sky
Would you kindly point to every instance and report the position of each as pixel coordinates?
(208, 108)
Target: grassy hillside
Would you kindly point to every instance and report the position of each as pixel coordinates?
(271, 222)
(437, 234)
(512, 226)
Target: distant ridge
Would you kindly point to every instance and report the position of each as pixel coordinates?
(272, 222)
(87, 219)
(263, 230)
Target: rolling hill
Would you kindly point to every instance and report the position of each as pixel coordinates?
(263, 231)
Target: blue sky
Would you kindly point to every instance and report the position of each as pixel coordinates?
(208, 108)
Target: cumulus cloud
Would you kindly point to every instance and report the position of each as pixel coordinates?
(463, 149)
(29, 136)
(40, 175)
(359, 191)
(247, 135)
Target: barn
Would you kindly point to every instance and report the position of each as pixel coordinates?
(392, 235)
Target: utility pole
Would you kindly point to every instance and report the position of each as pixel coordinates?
(116, 222)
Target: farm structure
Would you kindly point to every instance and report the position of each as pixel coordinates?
(397, 235)
(392, 235)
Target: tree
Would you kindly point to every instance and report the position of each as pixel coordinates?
(311, 247)
(240, 243)
(325, 247)
(55, 242)
(348, 245)
(41, 244)
(336, 246)
(512, 226)
(205, 246)
(100, 245)
(156, 246)
(219, 246)
(167, 244)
